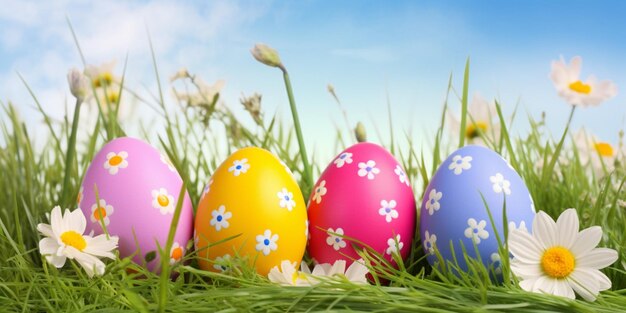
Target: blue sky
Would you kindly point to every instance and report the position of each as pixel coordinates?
(366, 49)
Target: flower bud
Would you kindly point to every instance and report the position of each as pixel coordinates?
(266, 55)
(79, 83)
(359, 132)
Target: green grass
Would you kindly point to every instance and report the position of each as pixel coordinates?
(34, 179)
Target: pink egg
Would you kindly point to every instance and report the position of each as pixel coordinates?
(138, 190)
(363, 194)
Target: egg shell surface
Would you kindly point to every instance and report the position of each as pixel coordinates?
(453, 210)
(138, 190)
(363, 194)
(252, 207)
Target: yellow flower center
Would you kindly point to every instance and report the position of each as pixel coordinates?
(475, 129)
(74, 239)
(604, 149)
(177, 253)
(296, 275)
(163, 200)
(99, 213)
(580, 87)
(116, 160)
(113, 97)
(557, 262)
(103, 79)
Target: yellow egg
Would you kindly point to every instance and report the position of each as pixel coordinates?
(253, 199)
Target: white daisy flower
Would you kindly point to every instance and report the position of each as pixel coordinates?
(496, 262)
(342, 159)
(476, 230)
(288, 275)
(394, 245)
(166, 160)
(220, 218)
(163, 201)
(286, 199)
(334, 238)
(101, 75)
(429, 242)
(460, 163)
(401, 175)
(599, 155)
(115, 161)
(101, 211)
(266, 242)
(566, 79)
(239, 166)
(388, 210)
(64, 239)
(482, 123)
(432, 204)
(500, 184)
(368, 169)
(558, 259)
(176, 253)
(222, 263)
(319, 192)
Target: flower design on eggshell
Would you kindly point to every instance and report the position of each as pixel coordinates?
(176, 253)
(500, 184)
(388, 210)
(401, 175)
(522, 226)
(101, 211)
(319, 192)
(207, 188)
(266, 242)
(286, 199)
(220, 218)
(368, 169)
(496, 262)
(239, 166)
(429, 242)
(432, 204)
(342, 159)
(163, 201)
(394, 245)
(476, 230)
(222, 263)
(116, 161)
(460, 163)
(334, 238)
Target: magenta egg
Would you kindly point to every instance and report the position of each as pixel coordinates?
(363, 194)
(138, 191)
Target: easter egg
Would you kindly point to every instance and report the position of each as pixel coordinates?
(253, 209)
(137, 190)
(364, 194)
(454, 208)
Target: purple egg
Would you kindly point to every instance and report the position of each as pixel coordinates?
(137, 190)
(453, 211)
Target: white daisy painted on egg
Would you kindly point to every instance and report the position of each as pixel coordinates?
(432, 204)
(500, 184)
(176, 253)
(116, 161)
(239, 166)
(429, 242)
(286, 199)
(163, 201)
(476, 230)
(101, 211)
(401, 175)
(220, 218)
(460, 163)
(388, 210)
(266, 242)
(394, 245)
(496, 262)
(334, 238)
(368, 169)
(342, 159)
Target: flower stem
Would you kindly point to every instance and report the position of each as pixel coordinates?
(548, 170)
(308, 175)
(71, 151)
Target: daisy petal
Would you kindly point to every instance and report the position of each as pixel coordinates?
(567, 225)
(585, 284)
(45, 230)
(544, 230)
(56, 261)
(523, 246)
(526, 270)
(48, 246)
(527, 284)
(586, 240)
(597, 258)
(563, 289)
